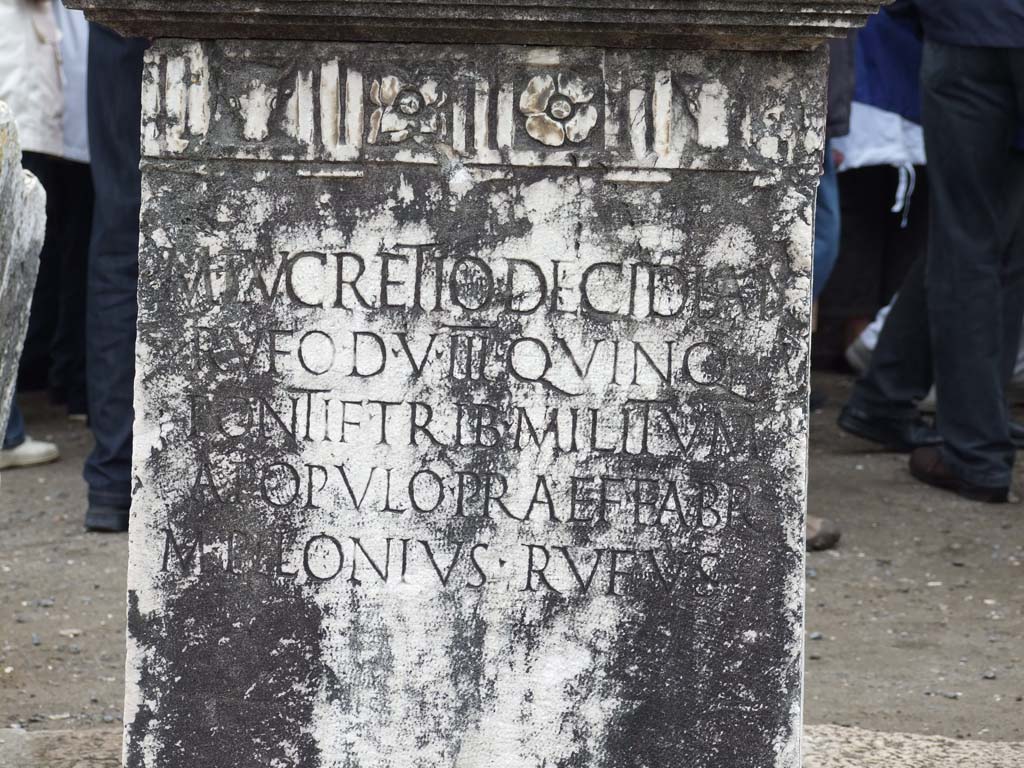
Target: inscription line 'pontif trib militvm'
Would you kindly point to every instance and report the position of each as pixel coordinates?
(472, 377)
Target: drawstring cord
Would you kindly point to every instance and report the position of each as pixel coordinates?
(904, 192)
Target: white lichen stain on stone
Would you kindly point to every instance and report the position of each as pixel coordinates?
(814, 141)
(768, 146)
(733, 246)
(405, 193)
(769, 179)
(159, 238)
(713, 116)
(798, 213)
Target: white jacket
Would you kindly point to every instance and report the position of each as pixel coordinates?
(30, 80)
(74, 55)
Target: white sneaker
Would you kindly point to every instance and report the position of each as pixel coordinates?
(29, 454)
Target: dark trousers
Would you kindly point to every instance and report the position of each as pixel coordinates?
(957, 319)
(827, 224)
(115, 103)
(54, 352)
(14, 432)
(876, 250)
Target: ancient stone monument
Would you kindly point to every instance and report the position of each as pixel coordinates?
(22, 226)
(471, 411)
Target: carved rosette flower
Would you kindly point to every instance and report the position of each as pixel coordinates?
(558, 111)
(406, 111)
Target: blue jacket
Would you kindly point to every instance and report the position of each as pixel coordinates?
(974, 23)
(889, 67)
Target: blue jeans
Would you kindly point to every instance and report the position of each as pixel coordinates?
(826, 224)
(14, 433)
(115, 103)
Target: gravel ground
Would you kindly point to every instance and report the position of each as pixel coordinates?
(915, 624)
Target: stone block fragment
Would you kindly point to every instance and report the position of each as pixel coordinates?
(22, 226)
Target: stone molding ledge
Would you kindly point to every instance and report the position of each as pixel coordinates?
(716, 24)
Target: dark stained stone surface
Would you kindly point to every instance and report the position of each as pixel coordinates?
(472, 406)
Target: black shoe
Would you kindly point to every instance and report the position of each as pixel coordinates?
(106, 519)
(928, 466)
(900, 435)
(1017, 433)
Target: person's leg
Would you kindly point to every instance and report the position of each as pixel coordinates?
(1013, 269)
(826, 224)
(826, 243)
(68, 351)
(14, 433)
(1012, 330)
(905, 244)
(851, 292)
(20, 450)
(968, 116)
(900, 373)
(115, 77)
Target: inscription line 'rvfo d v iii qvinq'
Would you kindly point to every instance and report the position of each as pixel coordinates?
(471, 411)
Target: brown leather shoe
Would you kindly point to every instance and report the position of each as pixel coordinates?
(821, 534)
(928, 466)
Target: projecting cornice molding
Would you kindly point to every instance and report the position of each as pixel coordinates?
(721, 24)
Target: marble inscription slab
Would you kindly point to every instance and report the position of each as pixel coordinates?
(471, 407)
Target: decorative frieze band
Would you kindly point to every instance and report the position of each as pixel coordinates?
(521, 107)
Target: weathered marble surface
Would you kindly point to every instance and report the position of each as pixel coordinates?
(22, 226)
(471, 409)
